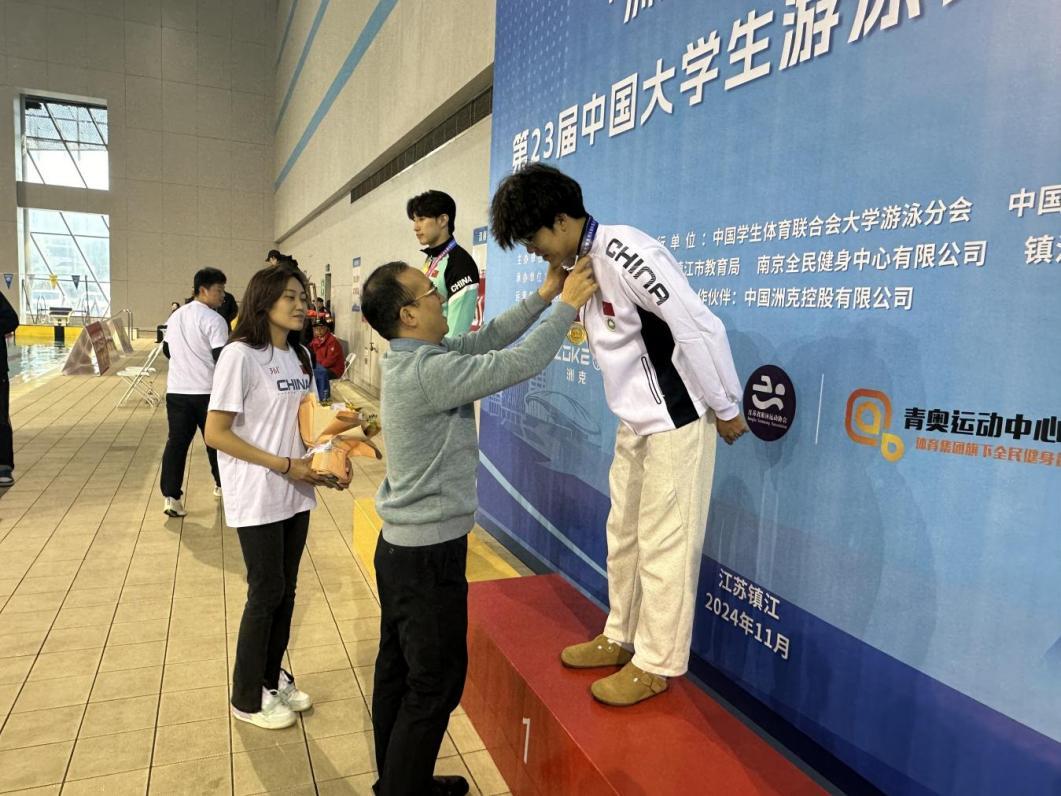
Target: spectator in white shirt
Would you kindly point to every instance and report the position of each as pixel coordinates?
(195, 334)
(262, 377)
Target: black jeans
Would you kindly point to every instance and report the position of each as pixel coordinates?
(7, 450)
(422, 661)
(185, 413)
(272, 553)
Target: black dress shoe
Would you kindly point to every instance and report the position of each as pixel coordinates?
(441, 786)
(449, 786)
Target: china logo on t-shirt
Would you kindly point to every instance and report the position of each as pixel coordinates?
(292, 385)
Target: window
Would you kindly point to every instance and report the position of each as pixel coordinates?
(65, 143)
(67, 262)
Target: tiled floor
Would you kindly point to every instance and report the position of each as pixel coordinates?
(118, 624)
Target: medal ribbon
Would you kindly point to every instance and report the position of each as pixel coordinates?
(589, 232)
(432, 269)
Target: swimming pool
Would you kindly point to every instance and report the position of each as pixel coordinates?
(25, 362)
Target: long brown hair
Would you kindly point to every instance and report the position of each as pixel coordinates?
(263, 291)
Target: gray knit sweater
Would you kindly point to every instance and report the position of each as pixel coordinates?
(426, 409)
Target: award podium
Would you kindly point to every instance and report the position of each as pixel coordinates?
(547, 735)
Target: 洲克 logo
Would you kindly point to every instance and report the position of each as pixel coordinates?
(868, 416)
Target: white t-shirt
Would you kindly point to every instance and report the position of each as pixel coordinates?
(192, 333)
(264, 388)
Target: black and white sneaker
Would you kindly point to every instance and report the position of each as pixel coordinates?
(273, 714)
(291, 696)
(173, 507)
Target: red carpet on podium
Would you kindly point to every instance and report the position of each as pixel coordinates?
(549, 736)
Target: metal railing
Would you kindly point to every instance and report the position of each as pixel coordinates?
(128, 313)
(84, 308)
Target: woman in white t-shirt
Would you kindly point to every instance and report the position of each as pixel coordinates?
(259, 381)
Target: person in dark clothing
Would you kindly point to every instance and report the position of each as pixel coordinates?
(319, 312)
(229, 309)
(8, 324)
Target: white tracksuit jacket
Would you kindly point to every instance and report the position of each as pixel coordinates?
(664, 356)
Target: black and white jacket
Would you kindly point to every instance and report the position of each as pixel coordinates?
(664, 356)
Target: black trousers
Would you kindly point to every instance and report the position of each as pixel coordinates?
(272, 553)
(422, 661)
(7, 443)
(185, 414)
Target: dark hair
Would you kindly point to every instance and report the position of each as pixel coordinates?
(382, 299)
(432, 204)
(530, 199)
(207, 277)
(229, 309)
(263, 291)
(274, 253)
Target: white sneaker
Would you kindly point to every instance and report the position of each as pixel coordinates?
(274, 714)
(6, 479)
(174, 507)
(217, 491)
(289, 693)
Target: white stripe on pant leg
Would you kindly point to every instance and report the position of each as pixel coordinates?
(625, 482)
(679, 466)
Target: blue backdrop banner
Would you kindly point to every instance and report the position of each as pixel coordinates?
(868, 194)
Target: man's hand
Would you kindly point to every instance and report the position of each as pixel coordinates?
(553, 283)
(731, 430)
(580, 284)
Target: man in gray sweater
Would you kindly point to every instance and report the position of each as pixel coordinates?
(428, 499)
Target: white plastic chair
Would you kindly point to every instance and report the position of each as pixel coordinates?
(141, 380)
(350, 360)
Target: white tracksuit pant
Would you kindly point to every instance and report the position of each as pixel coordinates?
(660, 490)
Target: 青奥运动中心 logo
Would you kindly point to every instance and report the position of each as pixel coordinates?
(867, 420)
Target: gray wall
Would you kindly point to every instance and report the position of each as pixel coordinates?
(427, 58)
(194, 89)
(188, 86)
(375, 229)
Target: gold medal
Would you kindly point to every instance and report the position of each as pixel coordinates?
(577, 333)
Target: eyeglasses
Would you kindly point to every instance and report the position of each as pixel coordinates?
(528, 241)
(434, 290)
